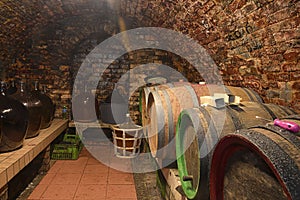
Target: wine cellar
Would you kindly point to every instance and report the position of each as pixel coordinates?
(150, 99)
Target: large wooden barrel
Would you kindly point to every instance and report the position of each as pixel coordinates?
(257, 163)
(200, 89)
(199, 130)
(144, 95)
(164, 106)
(145, 92)
(246, 94)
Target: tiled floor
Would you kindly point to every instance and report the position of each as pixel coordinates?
(85, 178)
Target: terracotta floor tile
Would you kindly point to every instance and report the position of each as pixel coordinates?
(93, 161)
(79, 161)
(96, 169)
(52, 199)
(96, 151)
(121, 161)
(121, 164)
(94, 178)
(56, 167)
(87, 178)
(91, 192)
(121, 191)
(72, 168)
(38, 192)
(66, 179)
(47, 179)
(59, 192)
(118, 171)
(120, 178)
(84, 153)
(121, 198)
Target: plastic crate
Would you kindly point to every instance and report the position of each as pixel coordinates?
(71, 138)
(66, 151)
(69, 149)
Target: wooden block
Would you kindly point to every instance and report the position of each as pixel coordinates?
(222, 95)
(228, 98)
(173, 180)
(237, 100)
(4, 192)
(3, 177)
(10, 172)
(212, 101)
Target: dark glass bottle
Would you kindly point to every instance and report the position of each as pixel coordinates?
(13, 122)
(44, 91)
(47, 106)
(85, 107)
(34, 107)
(12, 89)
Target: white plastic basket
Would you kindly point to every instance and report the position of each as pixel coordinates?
(127, 142)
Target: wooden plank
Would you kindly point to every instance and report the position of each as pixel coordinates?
(97, 124)
(173, 180)
(13, 162)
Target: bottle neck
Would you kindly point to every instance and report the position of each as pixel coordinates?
(85, 89)
(22, 87)
(3, 88)
(36, 85)
(44, 89)
(128, 119)
(13, 84)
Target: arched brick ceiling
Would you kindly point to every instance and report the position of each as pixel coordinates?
(250, 40)
(58, 26)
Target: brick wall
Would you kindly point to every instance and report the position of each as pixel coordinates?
(254, 43)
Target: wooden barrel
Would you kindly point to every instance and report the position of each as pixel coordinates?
(144, 95)
(246, 94)
(164, 107)
(199, 130)
(200, 89)
(145, 92)
(261, 162)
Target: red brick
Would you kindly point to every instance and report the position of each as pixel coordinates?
(290, 67)
(296, 85)
(296, 95)
(236, 4)
(295, 76)
(291, 55)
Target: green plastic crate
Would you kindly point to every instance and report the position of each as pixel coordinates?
(66, 151)
(71, 138)
(69, 149)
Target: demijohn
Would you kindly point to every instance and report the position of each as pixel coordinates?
(47, 106)
(13, 122)
(34, 107)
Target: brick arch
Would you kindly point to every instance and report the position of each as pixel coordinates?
(250, 40)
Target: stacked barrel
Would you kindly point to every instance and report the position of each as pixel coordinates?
(210, 142)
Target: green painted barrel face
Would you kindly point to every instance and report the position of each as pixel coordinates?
(187, 149)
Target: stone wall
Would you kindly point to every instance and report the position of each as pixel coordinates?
(254, 43)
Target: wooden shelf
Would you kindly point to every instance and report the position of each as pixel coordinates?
(96, 124)
(11, 163)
